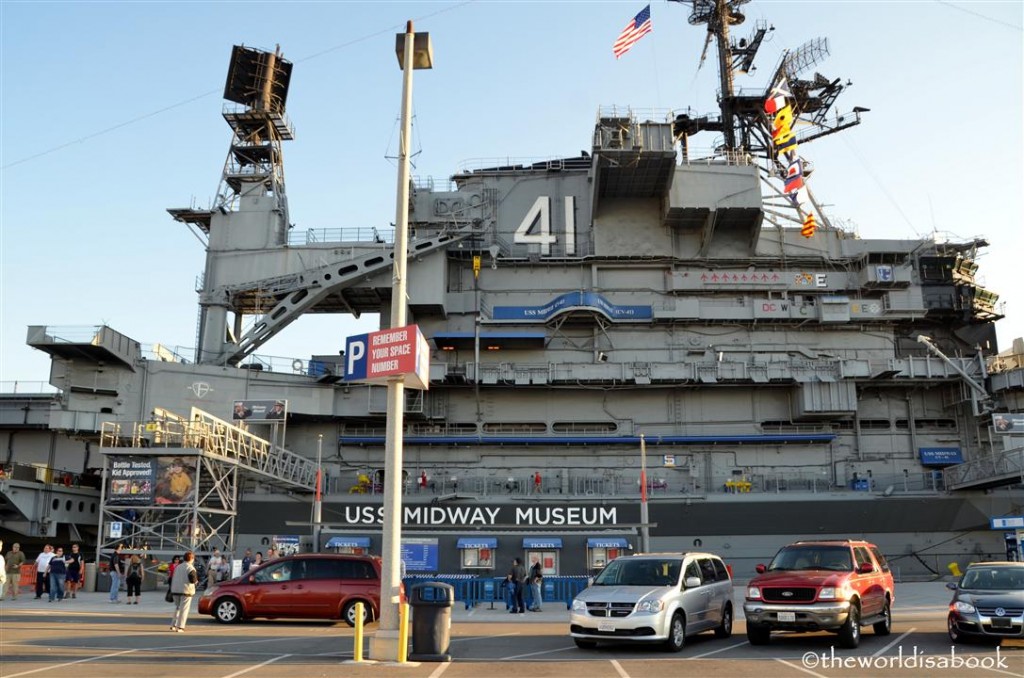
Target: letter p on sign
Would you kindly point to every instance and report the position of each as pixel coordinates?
(355, 357)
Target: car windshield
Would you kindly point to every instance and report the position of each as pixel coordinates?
(994, 579)
(835, 558)
(640, 572)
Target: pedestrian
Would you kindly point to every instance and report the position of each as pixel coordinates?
(247, 560)
(536, 482)
(3, 570)
(116, 569)
(216, 568)
(75, 565)
(183, 587)
(133, 579)
(257, 561)
(516, 579)
(57, 571)
(423, 481)
(536, 578)
(15, 559)
(42, 562)
(271, 553)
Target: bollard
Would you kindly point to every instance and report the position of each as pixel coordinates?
(357, 650)
(403, 632)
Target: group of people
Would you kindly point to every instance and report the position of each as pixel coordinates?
(58, 574)
(517, 578)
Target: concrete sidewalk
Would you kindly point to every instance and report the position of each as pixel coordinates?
(929, 598)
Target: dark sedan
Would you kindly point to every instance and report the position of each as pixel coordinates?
(988, 603)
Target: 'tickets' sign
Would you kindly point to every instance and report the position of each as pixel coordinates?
(378, 356)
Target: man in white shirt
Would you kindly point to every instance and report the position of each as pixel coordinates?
(217, 567)
(3, 570)
(42, 562)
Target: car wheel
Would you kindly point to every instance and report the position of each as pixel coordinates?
(676, 633)
(884, 627)
(954, 633)
(348, 613)
(758, 634)
(724, 629)
(849, 633)
(227, 611)
(584, 644)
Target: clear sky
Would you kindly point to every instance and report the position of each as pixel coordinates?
(111, 113)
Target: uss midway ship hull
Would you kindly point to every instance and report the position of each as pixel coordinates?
(572, 306)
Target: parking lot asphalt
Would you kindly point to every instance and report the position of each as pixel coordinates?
(89, 636)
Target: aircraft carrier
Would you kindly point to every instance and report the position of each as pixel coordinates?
(675, 298)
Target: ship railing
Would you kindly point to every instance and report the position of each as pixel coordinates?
(49, 475)
(616, 112)
(27, 387)
(360, 234)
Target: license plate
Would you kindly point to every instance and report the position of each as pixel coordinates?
(787, 616)
(605, 626)
(1001, 622)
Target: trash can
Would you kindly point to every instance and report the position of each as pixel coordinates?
(431, 604)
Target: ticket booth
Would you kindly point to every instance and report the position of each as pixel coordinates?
(353, 546)
(1013, 535)
(603, 550)
(477, 553)
(544, 550)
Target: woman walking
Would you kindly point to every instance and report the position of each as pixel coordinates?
(134, 579)
(183, 587)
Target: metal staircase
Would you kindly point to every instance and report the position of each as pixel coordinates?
(217, 453)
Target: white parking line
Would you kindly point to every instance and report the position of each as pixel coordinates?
(77, 661)
(534, 654)
(618, 667)
(721, 649)
(496, 635)
(799, 668)
(440, 669)
(882, 651)
(253, 668)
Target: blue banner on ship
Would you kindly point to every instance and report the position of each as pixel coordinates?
(573, 300)
(941, 456)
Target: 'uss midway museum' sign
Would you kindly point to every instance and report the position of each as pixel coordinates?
(532, 516)
(397, 352)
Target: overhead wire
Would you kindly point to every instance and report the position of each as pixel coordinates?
(197, 97)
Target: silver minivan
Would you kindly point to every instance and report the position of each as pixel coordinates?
(654, 598)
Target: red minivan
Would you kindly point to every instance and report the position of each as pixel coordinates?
(311, 586)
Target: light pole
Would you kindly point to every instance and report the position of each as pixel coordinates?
(318, 504)
(645, 532)
(414, 51)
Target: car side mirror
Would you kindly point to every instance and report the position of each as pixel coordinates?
(760, 569)
(865, 568)
(952, 586)
(691, 582)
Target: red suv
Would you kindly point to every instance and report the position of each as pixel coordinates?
(325, 586)
(834, 586)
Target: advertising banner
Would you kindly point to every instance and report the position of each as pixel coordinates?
(1008, 423)
(145, 481)
(259, 410)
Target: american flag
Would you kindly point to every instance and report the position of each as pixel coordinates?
(638, 27)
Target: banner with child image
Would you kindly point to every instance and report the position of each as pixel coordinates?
(145, 481)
